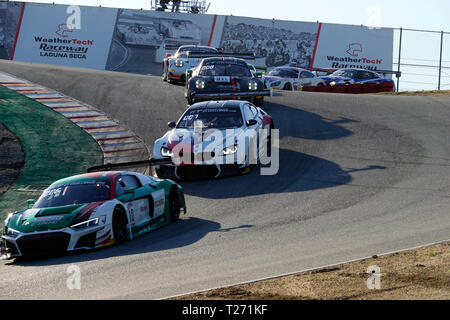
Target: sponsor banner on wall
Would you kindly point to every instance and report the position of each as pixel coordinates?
(346, 46)
(45, 36)
(135, 40)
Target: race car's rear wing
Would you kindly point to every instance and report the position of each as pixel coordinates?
(172, 47)
(130, 165)
(245, 56)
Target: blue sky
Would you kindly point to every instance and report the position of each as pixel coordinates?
(418, 48)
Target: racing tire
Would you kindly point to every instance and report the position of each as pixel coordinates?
(174, 204)
(164, 73)
(190, 101)
(259, 102)
(119, 226)
(269, 139)
(287, 87)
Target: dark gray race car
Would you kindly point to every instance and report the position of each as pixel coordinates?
(222, 78)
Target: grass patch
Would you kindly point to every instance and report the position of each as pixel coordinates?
(54, 147)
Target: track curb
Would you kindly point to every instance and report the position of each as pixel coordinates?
(118, 143)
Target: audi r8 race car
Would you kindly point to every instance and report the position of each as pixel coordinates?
(175, 67)
(291, 78)
(220, 78)
(214, 139)
(350, 76)
(92, 211)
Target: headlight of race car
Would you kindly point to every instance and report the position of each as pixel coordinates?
(332, 83)
(90, 223)
(200, 84)
(229, 150)
(12, 233)
(166, 152)
(179, 63)
(275, 84)
(253, 85)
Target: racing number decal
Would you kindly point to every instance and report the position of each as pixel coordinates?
(138, 211)
(159, 198)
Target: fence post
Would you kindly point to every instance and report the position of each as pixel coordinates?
(440, 60)
(399, 58)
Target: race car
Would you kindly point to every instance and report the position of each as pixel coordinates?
(177, 31)
(175, 67)
(351, 76)
(139, 33)
(291, 78)
(220, 78)
(227, 142)
(90, 211)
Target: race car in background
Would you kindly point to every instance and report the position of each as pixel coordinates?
(290, 78)
(175, 67)
(221, 78)
(139, 33)
(181, 32)
(351, 76)
(92, 211)
(219, 156)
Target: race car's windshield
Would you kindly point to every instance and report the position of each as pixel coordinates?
(182, 53)
(212, 118)
(284, 73)
(74, 193)
(341, 73)
(224, 68)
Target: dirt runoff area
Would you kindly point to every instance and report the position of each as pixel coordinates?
(12, 159)
(420, 274)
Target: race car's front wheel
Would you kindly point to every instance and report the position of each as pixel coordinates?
(174, 204)
(190, 101)
(164, 73)
(119, 225)
(287, 87)
(259, 102)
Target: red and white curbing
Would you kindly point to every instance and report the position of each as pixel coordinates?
(118, 143)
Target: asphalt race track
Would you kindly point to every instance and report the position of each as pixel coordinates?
(360, 175)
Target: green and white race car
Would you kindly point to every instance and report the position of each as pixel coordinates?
(91, 211)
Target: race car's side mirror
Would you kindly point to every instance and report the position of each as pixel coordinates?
(171, 124)
(251, 123)
(30, 203)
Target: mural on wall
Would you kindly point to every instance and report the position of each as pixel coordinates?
(9, 20)
(140, 36)
(135, 41)
(275, 43)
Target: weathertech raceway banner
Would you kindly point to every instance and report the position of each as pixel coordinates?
(45, 37)
(135, 40)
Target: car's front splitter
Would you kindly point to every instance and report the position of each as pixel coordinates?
(199, 172)
(55, 242)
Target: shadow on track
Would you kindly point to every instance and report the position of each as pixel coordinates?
(298, 172)
(297, 123)
(180, 234)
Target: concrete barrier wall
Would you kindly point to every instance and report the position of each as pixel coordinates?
(133, 40)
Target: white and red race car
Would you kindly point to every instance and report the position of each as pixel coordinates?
(291, 79)
(214, 139)
(175, 67)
